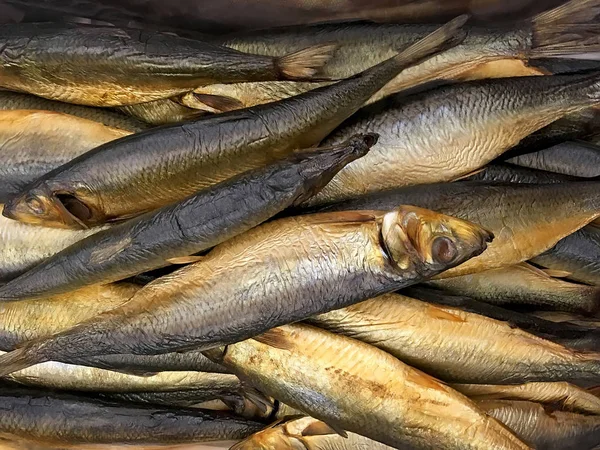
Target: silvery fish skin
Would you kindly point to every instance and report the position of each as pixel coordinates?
(331, 378)
(576, 336)
(158, 167)
(510, 173)
(194, 225)
(71, 377)
(16, 100)
(475, 121)
(35, 142)
(109, 66)
(579, 159)
(24, 245)
(524, 285)
(61, 419)
(161, 112)
(546, 430)
(306, 433)
(527, 219)
(458, 346)
(304, 260)
(568, 396)
(363, 44)
(577, 254)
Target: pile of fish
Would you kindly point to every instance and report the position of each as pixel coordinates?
(331, 236)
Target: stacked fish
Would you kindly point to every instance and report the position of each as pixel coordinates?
(341, 236)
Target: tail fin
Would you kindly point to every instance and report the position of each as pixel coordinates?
(447, 36)
(19, 359)
(569, 29)
(305, 63)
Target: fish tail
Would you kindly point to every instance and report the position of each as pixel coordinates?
(447, 36)
(305, 63)
(19, 359)
(569, 29)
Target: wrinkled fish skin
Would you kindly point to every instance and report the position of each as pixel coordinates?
(33, 143)
(304, 260)
(524, 285)
(585, 337)
(196, 224)
(578, 254)
(66, 419)
(161, 112)
(579, 159)
(546, 430)
(306, 433)
(24, 246)
(161, 166)
(458, 346)
(15, 100)
(568, 396)
(331, 378)
(187, 398)
(475, 122)
(109, 66)
(510, 211)
(510, 173)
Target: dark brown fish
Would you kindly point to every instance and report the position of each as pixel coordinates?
(167, 164)
(174, 232)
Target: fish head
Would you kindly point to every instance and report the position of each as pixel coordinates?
(429, 242)
(44, 205)
(286, 434)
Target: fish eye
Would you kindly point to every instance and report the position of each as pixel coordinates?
(443, 250)
(35, 205)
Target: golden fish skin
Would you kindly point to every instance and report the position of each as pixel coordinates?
(35, 142)
(524, 285)
(546, 430)
(306, 433)
(568, 396)
(475, 122)
(16, 100)
(304, 260)
(148, 170)
(109, 66)
(24, 246)
(485, 52)
(161, 112)
(526, 219)
(331, 378)
(458, 346)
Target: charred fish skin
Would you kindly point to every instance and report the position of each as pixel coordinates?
(439, 341)
(66, 419)
(565, 334)
(546, 430)
(191, 156)
(578, 159)
(16, 100)
(319, 374)
(553, 210)
(578, 254)
(526, 286)
(306, 433)
(311, 264)
(36, 142)
(198, 223)
(478, 121)
(108, 66)
(24, 246)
